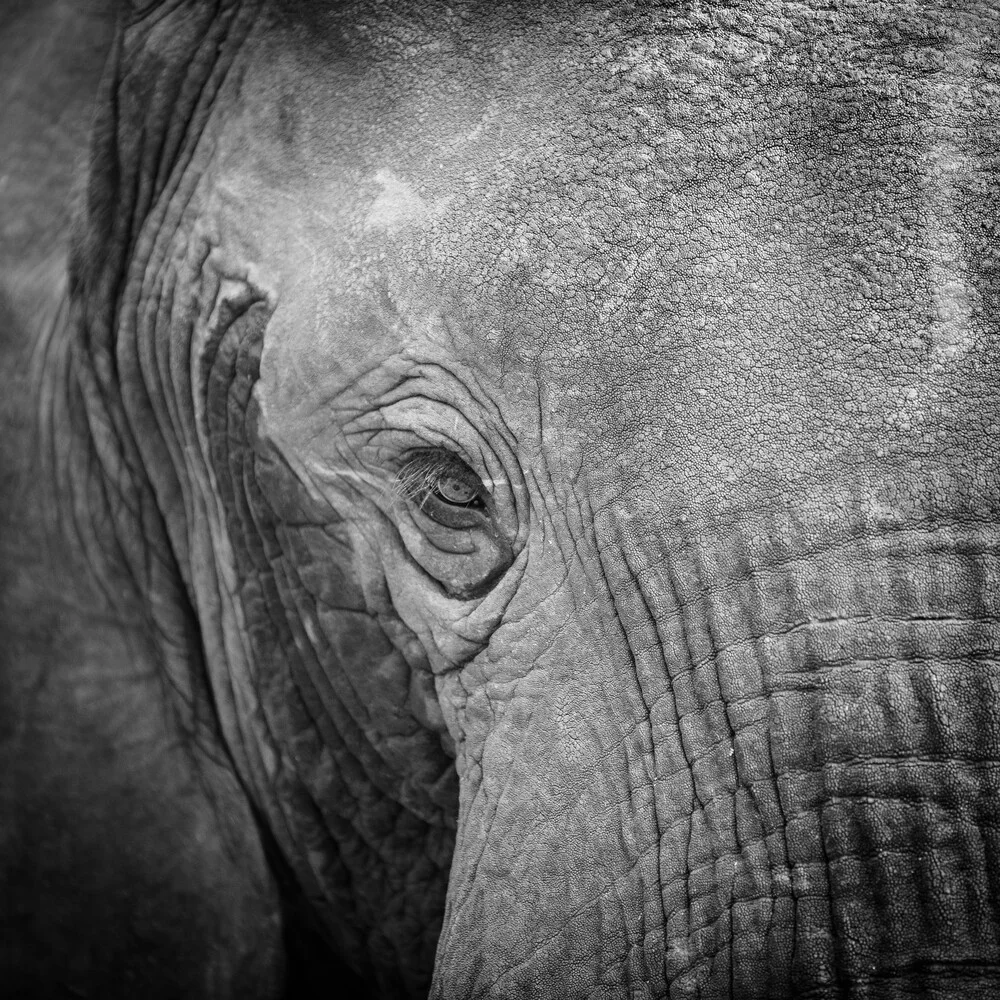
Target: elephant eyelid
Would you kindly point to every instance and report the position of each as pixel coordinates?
(443, 487)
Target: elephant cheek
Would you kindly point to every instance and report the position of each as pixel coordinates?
(555, 876)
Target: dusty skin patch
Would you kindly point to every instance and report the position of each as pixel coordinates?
(954, 296)
(397, 206)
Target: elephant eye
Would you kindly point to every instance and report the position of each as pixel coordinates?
(453, 490)
(449, 523)
(444, 488)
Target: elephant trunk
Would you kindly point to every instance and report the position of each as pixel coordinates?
(739, 766)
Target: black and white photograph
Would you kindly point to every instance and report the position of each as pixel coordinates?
(500, 500)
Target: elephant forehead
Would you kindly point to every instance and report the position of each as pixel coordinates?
(747, 241)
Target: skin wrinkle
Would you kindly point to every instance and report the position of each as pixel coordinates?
(196, 91)
(783, 826)
(83, 531)
(653, 775)
(789, 562)
(731, 736)
(385, 403)
(158, 311)
(221, 592)
(716, 650)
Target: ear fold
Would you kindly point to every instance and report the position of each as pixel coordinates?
(167, 63)
(163, 75)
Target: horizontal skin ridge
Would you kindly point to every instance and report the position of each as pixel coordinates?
(829, 751)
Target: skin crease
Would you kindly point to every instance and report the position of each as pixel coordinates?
(704, 703)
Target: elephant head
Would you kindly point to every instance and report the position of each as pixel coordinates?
(556, 449)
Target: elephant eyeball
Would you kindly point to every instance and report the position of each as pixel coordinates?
(452, 490)
(444, 488)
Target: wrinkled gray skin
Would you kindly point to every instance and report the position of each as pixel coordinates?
(700, 698)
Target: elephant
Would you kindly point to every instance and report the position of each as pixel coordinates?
(500, 501)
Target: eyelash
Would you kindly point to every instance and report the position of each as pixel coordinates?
(422, 475)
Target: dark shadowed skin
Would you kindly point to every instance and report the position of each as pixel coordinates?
(513, 506)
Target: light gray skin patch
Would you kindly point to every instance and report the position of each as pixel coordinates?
(398, 205)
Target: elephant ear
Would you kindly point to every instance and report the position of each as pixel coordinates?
(165, 69)
(166, 66)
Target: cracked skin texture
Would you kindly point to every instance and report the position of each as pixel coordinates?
(706, 703)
